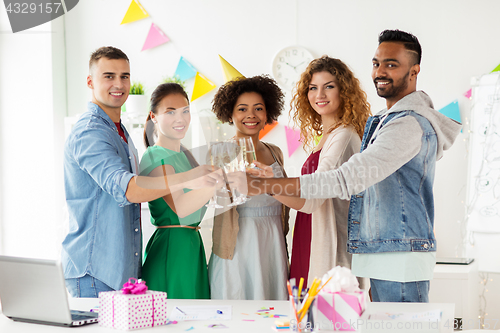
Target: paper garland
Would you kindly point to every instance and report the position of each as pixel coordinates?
(267, 129)
(452, 111)
(230, 73)
(317, 139)
(292, 139)
(468, 94)
(155, 37)
(185, 70)
(202, 85)
(135, 12)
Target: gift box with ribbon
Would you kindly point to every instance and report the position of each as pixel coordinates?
(341, 303)
(132, 307)
(338, 311)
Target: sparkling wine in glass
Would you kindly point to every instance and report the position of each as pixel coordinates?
(214, 153)
(243, 160)
(248, 150)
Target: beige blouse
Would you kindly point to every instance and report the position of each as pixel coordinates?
(329, 216)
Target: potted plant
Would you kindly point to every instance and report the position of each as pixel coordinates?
(137, 103)
(137, 88)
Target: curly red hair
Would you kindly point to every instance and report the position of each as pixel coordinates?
(354, 108)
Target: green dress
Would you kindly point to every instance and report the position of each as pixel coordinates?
(174, 260)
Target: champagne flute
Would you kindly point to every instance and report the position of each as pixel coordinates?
(248, 149)
(246, 158)
(214, 153)
(234, 162)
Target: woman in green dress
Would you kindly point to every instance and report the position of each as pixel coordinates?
(174, 260)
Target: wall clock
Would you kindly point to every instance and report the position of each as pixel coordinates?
(288, 65)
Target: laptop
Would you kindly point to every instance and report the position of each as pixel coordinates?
(34, 291)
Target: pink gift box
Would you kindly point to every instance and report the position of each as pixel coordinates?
(129, 311)
(338, 311)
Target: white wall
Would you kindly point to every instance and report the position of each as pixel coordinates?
(458, 39)
(33, 106)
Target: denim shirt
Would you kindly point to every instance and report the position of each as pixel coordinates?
(397, 213)
(104, 238)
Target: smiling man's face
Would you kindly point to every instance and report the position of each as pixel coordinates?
(109, 80)
(394, 72)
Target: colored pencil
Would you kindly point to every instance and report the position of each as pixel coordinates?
(308, 295)
(312, 295)
(301, 284)
(293, 304)
(324, 284)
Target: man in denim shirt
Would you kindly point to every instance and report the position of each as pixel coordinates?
(391, 212)
(103, 248)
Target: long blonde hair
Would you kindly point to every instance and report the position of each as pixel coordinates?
(354, 108)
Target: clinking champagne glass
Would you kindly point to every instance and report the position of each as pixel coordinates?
(215, 155)
(246, 159)
(248, 149)
(234, 162)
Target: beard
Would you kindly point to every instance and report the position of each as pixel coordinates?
(395, 88)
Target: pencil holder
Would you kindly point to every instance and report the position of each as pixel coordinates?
(306, 324)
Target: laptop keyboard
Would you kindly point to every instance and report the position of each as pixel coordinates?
(82, 315)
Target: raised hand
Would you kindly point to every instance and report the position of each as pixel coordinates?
(238, 181)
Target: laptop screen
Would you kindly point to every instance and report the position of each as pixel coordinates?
(33, 289)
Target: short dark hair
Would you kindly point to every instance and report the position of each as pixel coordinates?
(227, 95)
(409, 41)
(109, 52)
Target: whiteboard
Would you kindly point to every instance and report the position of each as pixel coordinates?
(483, 183)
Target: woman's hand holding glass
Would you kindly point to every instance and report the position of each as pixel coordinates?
(235, 167)
(253, 176)
(261, 170)
(215, 154)
(241, 181)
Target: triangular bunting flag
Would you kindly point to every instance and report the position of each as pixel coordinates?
(497, 69)
(155, 37)
(267, 129)
(317, 139)
(135, 12)
(468, 94)
(185, 70)
(202, 85)
(452, 111)
(292, 139)
(230, 73)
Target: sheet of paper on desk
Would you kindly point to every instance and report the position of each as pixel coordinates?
(208, 312)
(433, 315)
